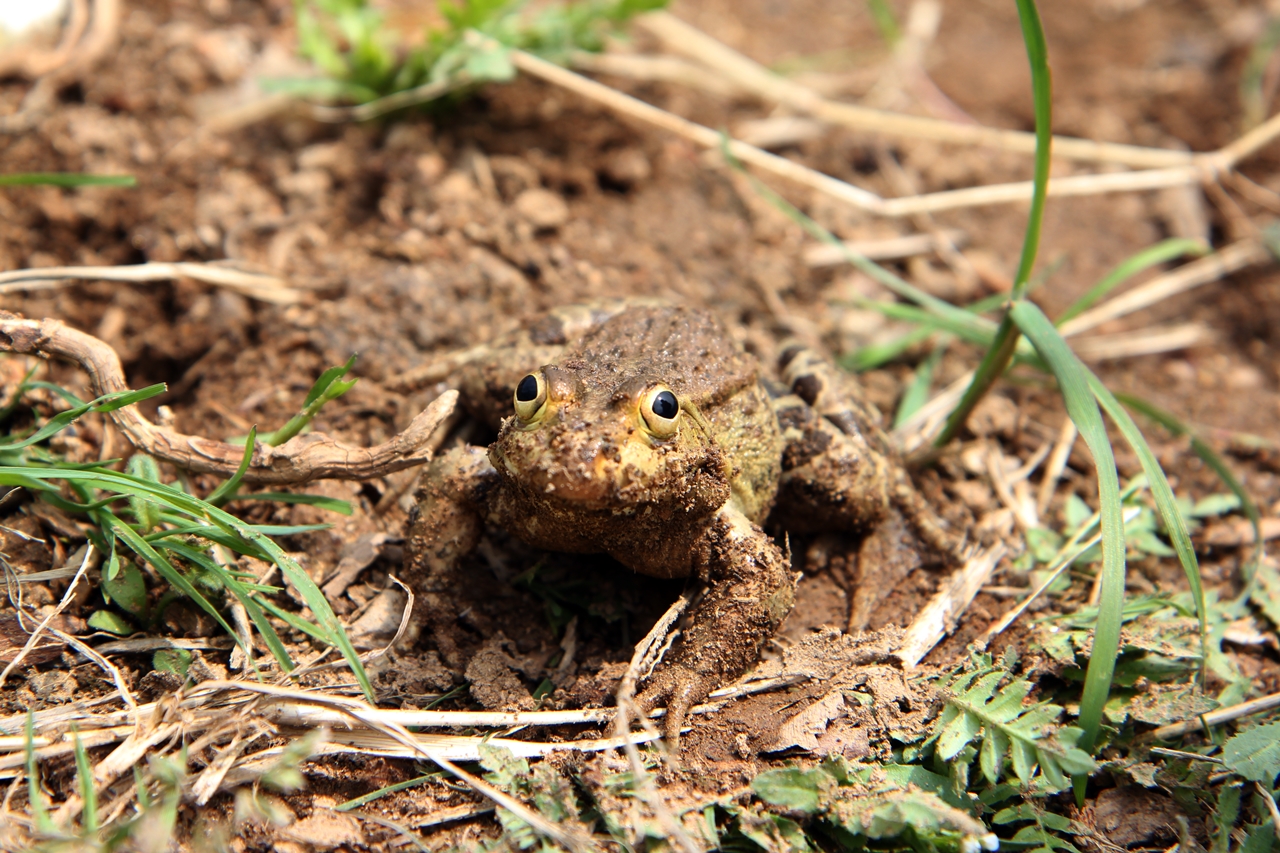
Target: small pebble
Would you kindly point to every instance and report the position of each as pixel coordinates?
(542, 209)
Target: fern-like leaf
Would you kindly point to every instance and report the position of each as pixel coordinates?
(978, 710)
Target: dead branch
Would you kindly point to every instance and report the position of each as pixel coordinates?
(307, 457)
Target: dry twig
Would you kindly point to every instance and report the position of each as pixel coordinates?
(750, 75)
(940, 616)
(1168, 168)
(892, 248)
(303, 458)
(260, 286)
(89, 560)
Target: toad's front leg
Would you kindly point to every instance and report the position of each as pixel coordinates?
(445, 527)
(750, 590)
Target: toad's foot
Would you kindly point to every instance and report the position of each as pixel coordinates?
(839, 470)
(750, 590)
(679, 688)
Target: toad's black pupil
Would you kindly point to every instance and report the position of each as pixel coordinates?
(527, 390)
(665, 405)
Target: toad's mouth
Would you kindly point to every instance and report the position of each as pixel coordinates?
(600, 475)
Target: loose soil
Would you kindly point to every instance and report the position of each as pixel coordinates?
(438, 229)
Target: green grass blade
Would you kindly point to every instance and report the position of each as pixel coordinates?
(167, 570)
(1073, 379)
(1151, 256)
(917, 393)
(293, 620)
(365, 799)
(332, 504)
(1042, 95)
(88, 794)
(44, 824)
(65, 179)
(874, 355)
(1253, 100)
(196, 508)
(105, 403)
(217, 534)
(885, 22)
(1166, 504)
(998, 357)
(227, 489)
(52, 387)
(244, 595)
(990, 369)
(981, 332)
(1207, 454)
(330, 386)
(976, 330)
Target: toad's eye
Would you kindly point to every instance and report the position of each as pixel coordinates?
(660, 410)
(530, 397)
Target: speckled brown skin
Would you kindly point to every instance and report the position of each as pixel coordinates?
(588, 473)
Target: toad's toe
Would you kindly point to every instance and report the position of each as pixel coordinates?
(680, 688)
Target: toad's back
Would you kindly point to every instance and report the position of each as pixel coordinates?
(686, 348)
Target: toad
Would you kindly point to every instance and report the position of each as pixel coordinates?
(642, 431)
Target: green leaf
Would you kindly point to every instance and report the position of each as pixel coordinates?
(908, 775)
(329, 386)
(1224, 818)
(127, 589)
(1255, 754)
(882, 14)
(1043, 543)
(175, 661)
(1259, 838)
(1077, 512)
(1217, 464)
(888, 815)
(490, 64)
(875, 355)
(990, 369)
(1042, 96)
(111, 622)
(145, 512)
(244, 595)
(789, 788)
(917, 393)
(1162, 492)
(1267, 596)
(977, 711)
(249, 540)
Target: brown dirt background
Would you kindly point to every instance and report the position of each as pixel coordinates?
(408, 240)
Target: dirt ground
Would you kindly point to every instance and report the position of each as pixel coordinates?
(436, 230)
